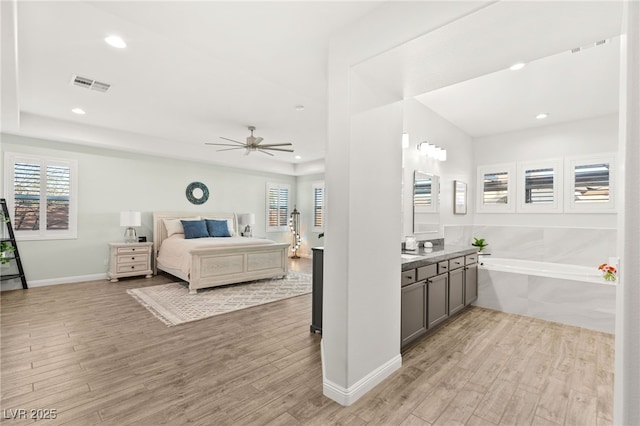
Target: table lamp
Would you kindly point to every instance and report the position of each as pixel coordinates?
(130, 219)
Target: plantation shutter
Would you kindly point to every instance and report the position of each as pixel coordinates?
(318, 207)
(277, 207)
(26, 215)
(592, 183)
(539, 186)
(495, 188)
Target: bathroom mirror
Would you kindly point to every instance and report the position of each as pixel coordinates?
(459, 197)
(426, 199)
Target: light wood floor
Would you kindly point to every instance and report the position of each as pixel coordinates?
(92, 353)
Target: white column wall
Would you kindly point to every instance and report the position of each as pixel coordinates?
(627, 351)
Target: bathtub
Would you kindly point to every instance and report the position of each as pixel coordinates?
(568, 294)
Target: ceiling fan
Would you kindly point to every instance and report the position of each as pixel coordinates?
(252, 144)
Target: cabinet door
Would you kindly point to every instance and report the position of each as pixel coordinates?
(471, 284)
(456, 290)
(414, 311)
(438, 301)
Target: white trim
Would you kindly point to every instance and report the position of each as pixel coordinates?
(553, 207)
(62, 280)
(347, 396)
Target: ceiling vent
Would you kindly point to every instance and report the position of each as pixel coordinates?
(588, 46)
(90, 84)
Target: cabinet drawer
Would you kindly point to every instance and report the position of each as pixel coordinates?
(470, 259)
(443, 266)
(457, 262)
(133, 258)
(130, 250)
(408, 277)
(132, 267)
(428, 271)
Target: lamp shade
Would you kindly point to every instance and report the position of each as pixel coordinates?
(130, 218)
(246, 219)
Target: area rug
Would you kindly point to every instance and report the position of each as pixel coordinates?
(172, 304)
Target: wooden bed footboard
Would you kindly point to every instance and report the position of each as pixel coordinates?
(219, 266)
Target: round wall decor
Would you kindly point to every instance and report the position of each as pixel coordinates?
(197, 193)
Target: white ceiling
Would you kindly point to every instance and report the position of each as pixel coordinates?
(195, 71)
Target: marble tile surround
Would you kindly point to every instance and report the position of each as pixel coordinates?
(573, 246)
(569, 302)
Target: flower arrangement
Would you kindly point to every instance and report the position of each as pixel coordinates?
(608, 272)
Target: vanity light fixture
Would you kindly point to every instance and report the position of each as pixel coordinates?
(432, 151)
(78, 111)
(405, 140)
(542, 116)
(115, 41)
(517, 66)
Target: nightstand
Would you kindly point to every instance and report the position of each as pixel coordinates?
(129, 260)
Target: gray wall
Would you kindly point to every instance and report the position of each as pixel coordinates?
(112, 181)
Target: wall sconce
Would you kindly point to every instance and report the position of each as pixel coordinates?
(405, 140)
(432, 151)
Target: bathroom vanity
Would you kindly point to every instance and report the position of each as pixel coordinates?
(435, 286)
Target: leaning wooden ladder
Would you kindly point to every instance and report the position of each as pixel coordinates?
(14, 255)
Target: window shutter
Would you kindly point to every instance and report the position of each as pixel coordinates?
(26, 216)
(277, 207)
(539, 187)
(496, 187)
(318, 207)
(592, 183)
(58, 191)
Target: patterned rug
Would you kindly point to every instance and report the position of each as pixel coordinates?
(172, 304)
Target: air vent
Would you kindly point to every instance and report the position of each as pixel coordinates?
(588, 46)
(90, 84)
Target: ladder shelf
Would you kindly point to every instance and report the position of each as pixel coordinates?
(15, 255)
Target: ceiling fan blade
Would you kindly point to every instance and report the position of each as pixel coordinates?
(278, 149)
(227, 139)
(247, 152)
(229, 149)
(221, 144)
(258, 140)
(264, 152)
(276, 144)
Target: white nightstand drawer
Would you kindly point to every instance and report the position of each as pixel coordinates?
(132, 250)
(132, 267)
(133, 258)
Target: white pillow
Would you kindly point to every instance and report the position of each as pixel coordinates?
(174, 226)
(232, 231)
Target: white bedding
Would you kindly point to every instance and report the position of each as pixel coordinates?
(174, 251)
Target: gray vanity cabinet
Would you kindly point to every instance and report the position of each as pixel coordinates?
(456, 290)
(471, 279)
(414, 311)
(438, 291)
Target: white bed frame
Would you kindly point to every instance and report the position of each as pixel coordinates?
(211, 267)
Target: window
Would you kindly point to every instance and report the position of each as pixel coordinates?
(590, 184)
(277, 207)
(42, 196)
(539, 186)
(318, 207)
(496, 188)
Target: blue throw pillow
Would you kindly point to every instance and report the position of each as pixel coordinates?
(217, 228)
(194, 229)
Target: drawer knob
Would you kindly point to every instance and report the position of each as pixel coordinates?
(133, 258)
(133, 267)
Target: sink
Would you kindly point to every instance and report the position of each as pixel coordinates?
(406, 256)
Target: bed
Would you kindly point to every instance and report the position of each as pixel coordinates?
(211, 262)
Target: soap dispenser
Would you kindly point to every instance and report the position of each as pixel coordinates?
(410, 243)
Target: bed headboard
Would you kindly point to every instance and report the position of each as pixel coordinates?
(160, 232)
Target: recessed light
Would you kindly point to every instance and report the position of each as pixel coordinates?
(78, 111)
(299, 107)
(297, 157)
(115, 41)
(517, 66)
(542, 116)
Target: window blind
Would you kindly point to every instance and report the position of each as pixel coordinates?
(26, 215)
(277, 207)
(318, 207)
(58, 190)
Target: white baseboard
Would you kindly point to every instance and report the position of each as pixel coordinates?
(55, 281)
(347, 396)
